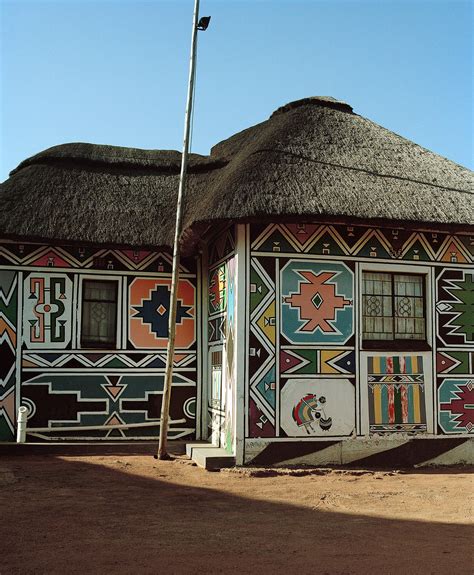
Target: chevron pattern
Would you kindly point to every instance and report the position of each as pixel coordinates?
(8, 340)
(362, 242)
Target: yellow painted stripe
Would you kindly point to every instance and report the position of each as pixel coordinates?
(378, 403)
(376, 364)
(327, 356)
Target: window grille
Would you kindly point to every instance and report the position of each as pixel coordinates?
(99, 314)
(393, 307)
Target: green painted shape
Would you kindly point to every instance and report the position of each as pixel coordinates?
(217, 298)
(10, 310)
(380, 250)
(312, 356)
(115, 362)
(411, 405)
(397, 400)
(327, 242)
(277, 242)
(228, 442)
(261, 289)
(463, 357)
(465, 307)
(384, 404)
(396, 364)
(417, 252)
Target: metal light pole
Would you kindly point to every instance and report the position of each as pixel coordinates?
(165, 406)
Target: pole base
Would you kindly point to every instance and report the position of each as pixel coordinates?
(164, 457)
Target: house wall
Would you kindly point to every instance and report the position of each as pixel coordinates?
(221, 308)
(42, 364)
(396, 406)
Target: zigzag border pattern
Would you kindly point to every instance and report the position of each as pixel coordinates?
(417, 246)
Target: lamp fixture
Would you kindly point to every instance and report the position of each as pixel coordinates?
(203, 23)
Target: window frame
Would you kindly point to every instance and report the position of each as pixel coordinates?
(118, 293)
(404, 344)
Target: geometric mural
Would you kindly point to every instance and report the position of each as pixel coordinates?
(87, 257)
(221, 338)
(454, 361)
(262, 357)
(228, 404)
(8, 341)
(396, 394)
(222, 245)
(302, 326)
(455, 307)
(312, 361)
(47, 309)
(456, 405)
(316, 302)
(93, 387)
(299, 310)
(217, 289)
(100, 360)
(149, 301)
(64, 400)
(364, 242)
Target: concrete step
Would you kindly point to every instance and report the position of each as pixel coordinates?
(208, 456)
(190, 446)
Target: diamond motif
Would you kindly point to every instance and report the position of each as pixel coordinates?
(161, 309)
(317, 300)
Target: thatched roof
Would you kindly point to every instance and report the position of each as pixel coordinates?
(313, 158)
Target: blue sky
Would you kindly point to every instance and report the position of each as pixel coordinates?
(116, 71)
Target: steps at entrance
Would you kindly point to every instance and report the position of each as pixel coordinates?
(208, 456)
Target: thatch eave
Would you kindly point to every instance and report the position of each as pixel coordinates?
(313, 158)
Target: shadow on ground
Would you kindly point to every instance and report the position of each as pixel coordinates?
(71, 516)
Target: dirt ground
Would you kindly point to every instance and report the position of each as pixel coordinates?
(123, 513)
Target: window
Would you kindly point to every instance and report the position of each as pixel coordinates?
(393, 310)
(99, 314)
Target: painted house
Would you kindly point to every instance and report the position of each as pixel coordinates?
(325, 305)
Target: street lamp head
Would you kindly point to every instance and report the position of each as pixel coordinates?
(203, 23)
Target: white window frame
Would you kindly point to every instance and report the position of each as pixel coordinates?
(118, 327)
(428, 356)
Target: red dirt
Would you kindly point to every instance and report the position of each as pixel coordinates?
(131, 514)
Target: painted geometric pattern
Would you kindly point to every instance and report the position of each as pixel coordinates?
(455, 362)
(455, 307)
(47, 310)
(100, 360)
(222, 246)
(456, 405)
(8, 340)
(65, 400)
(149, 301)
(316, 303)
(310, 361)
(262, 341)
(396, 394)
(89, 258)
(363, 242)
(218, 289)
(227, 435)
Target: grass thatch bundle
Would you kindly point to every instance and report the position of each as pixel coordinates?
(313, 158)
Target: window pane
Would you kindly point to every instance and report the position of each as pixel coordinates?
(99, 313)
(97, 290)
(388, 316)
(377, 306)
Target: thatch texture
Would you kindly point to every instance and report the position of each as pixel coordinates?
(312, 158)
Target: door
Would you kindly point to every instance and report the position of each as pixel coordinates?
(215, 406)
